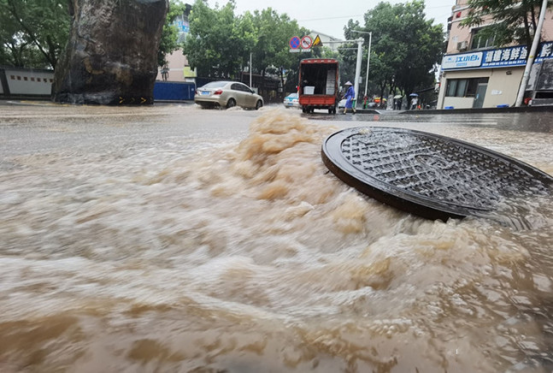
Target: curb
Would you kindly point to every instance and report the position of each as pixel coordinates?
(523, 109)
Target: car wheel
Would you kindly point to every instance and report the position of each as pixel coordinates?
(259, 104)
(231, 103)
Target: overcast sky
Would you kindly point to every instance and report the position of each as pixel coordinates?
(330, 17)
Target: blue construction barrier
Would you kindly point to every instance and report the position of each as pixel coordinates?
(174, 91)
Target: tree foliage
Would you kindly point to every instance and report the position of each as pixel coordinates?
(170, 32)
(271, 50)
(405, 46)
(508, 17)
(220, 43)
(33, 33)
(218, 40)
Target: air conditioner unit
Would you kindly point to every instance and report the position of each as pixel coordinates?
(462, 46)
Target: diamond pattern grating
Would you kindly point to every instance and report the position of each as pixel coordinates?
(428, 175)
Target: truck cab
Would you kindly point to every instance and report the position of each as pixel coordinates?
(318, 86)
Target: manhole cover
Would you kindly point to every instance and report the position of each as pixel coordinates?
(432, 176)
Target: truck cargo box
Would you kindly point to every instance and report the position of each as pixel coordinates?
(318, 86)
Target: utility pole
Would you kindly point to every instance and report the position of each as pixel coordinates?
(250, 68)
(368, 56)
(531, 55)
(360, 41)
(358, 68)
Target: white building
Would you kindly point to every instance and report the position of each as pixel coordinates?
(327, 40)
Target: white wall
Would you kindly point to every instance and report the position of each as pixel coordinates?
(503, 86)
(458, 102)
(501, 89)
(29, 82)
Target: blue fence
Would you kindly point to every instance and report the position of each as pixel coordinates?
(173, 91)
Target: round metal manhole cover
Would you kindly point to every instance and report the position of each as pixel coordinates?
(432, 176)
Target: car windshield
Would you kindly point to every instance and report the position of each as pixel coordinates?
(215, 85)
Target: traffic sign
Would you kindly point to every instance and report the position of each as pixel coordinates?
(317, 42)
(306, 42)
(294, 42)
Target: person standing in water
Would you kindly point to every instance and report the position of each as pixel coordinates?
(350, 96)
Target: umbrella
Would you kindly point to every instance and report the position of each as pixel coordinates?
(398, 96)
(413, 95)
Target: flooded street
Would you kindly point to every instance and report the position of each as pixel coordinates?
(174, 239)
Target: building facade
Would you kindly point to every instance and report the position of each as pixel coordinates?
(327, 40)
(476, 74)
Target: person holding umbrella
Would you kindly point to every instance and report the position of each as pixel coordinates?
(414, 101)
(397, 102)
(349, 96)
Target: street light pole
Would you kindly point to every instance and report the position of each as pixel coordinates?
(531, 56)
(368, 56)
(358, 68)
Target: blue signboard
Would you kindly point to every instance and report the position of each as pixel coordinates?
(493, 58)
(545, 51)
(182, 25)
(504, 57)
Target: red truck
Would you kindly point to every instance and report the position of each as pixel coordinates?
(319, 84)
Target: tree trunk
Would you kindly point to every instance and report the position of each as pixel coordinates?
(111, 55)
(383, 86)
(534, 21)
(262, 86)
(529, 40)
(282, 93)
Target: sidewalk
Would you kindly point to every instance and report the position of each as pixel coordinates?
(522, 109)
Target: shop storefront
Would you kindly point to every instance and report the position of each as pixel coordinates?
(489, 78)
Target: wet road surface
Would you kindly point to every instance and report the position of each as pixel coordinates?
(175, 239)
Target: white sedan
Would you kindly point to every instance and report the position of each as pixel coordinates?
(291, 101)
(227, 94)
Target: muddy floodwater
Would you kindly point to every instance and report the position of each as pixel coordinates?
(174, 239)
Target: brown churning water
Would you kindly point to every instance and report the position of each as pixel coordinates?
(252, 257)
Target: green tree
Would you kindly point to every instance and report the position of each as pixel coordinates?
(405, 46)
(170, 32)
(271, 50)
(220, 43)
(218, 40)
(33, 32)
(512, 20)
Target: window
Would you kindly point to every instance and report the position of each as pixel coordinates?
(215, 85)
(463, 87)
(481, 39)
(244, 88)
(451, 86)
(240, 87)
